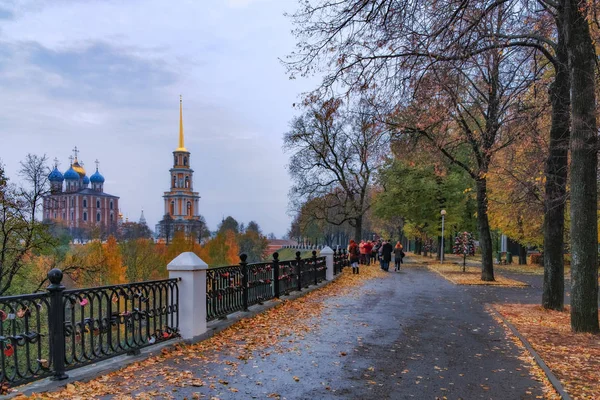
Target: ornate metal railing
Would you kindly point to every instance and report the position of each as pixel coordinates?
(103, 322)
(24, 337)
(237, 287)
(340, 260)
(48, 333)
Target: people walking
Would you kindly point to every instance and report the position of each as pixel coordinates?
(363, 253)
(398, 254)
(368, 250)
(386, 255)
(354, 255)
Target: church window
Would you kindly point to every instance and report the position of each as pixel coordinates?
(185, 161)
(84, 203)
(97, 203)
(174, 181)
(72, 216)
(98, 217)
(187, 182)
(172, 208)
(175, 162)
(189, 209)
(111, 216)
(111, 204)
(85, 216)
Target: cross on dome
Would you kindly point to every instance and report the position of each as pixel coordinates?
(75, 151)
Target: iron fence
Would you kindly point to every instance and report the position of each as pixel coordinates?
(46, 334)
(237, 287)
(340, 260)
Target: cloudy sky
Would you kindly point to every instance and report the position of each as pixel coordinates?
(105, 76)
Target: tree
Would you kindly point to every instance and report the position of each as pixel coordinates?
(334, 154)
(134, 230)
(229, 224)
(199, 229)
(464, 244)
(253, 242)
(374, 43)
(584, 168)
(141, 260)
(167, 228)
(115, 270)
(21, 234)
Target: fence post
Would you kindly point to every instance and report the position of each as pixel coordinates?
(191, 272)
(244, 264)
(299, 269)
(57, 324)
(328, 253)
(314, 260)
(345, 262)
(276, 274)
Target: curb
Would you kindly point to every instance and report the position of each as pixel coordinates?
(540, 362)
(92, 371)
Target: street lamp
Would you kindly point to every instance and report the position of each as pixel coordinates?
(443, 212)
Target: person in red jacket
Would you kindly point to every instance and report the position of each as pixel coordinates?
(354, 255)
(368, 251)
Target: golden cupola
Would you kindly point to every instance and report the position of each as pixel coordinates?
(78, 168)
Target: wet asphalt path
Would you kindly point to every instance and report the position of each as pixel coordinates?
(410, 335)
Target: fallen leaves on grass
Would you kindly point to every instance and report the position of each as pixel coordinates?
(573, 357)
(472, 276)
(272, 332)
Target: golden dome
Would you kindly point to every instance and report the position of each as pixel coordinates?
(78, 168)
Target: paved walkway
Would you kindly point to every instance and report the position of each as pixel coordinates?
(408, 335)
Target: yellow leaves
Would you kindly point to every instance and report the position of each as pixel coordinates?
(472, 276)
(573, 357)
(296, 379)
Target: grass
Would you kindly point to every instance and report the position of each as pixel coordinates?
(472, 276)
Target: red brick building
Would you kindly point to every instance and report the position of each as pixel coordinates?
(79, 202)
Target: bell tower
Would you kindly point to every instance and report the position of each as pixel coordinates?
(181, 202)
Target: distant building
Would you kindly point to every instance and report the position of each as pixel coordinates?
(181, 202)
(75, 204)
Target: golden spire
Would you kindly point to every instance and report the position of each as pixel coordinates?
(181, 146)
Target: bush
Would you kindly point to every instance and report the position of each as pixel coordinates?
(536, 258)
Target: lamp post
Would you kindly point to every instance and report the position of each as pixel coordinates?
(443, 212)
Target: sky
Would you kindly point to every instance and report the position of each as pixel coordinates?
(106, 76)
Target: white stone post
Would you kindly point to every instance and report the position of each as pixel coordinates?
(192, 293)
(328, 253)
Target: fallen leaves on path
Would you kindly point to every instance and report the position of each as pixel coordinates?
(472, 276)
(274, 331)
(573, 357)
(529, 362)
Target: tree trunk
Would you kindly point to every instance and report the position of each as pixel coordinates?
(522, 255)
(584, 160)
(485, 237)
(358, 229)
(556, 182)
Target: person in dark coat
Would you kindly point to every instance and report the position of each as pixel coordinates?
(386, 255)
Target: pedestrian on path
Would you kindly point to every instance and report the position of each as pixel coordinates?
(354, 256)
(363, 252)
(386, 255)
(398, 254)
(368, 250)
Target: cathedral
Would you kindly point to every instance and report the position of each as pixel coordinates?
(76, 205)
(181, 202)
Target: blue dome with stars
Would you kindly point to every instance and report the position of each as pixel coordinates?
(97, 177)
(56, 176)
(71, 174)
